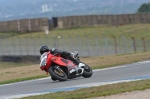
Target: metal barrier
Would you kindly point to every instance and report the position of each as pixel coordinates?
(85, 45)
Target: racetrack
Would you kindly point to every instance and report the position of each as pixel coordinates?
(135, 71)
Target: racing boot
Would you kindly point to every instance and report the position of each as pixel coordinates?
(76, 62)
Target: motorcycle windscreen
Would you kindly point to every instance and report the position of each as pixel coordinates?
(43, 60)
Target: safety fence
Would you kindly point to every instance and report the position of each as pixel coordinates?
(25, 25)
(85, 45)
(91, 20)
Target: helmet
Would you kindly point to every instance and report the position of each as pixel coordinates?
(44, 49)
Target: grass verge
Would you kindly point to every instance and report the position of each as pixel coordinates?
(97, 91)
(5, 65)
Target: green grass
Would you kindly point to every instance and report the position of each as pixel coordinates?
(136, 30)
(5, 35)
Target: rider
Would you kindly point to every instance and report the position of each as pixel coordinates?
(63, 54)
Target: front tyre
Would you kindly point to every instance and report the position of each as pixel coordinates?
(57, 73)
(87, 72)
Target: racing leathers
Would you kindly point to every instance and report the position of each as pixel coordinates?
(64, 54)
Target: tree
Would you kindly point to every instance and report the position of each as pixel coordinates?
(144, 8)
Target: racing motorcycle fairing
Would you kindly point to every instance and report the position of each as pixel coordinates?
(47, 59)
(45, 62)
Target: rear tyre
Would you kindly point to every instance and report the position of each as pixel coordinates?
(53, 79)
(87, 72)
(57, 73)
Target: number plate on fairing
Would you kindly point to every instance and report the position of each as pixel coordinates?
(43, 60)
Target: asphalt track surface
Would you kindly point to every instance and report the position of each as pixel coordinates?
(139, 70)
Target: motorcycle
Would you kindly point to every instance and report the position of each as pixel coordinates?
(62, 69)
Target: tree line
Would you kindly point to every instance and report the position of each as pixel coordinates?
(144, 8)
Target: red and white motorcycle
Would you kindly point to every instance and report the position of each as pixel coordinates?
(62, 69)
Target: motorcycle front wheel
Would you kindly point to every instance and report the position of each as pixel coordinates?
(87, 72)
(57, 73)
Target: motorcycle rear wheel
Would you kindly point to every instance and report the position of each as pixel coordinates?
(87, 72)
(57, 73)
